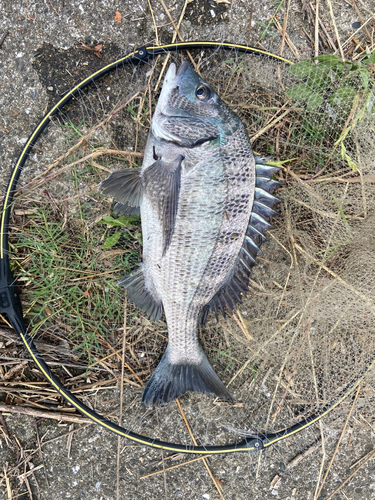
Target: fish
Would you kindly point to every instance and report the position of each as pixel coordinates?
(205, 203)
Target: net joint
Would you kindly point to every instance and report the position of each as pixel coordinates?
(254, 443)
(141, 53)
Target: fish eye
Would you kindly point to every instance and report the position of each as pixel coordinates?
(203, 93)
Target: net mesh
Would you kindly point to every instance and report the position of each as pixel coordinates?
(305, 330)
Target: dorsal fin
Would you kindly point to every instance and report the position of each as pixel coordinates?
(236, 285)
(267, 184)
(262, 169)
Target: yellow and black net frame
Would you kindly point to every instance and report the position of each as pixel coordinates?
(10, 303)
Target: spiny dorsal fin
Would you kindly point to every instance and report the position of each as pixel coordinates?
(237, 283)
(267, 184)
(162, 182)
(263, 210)
(265, 197)
(262, 169)
(260, 224)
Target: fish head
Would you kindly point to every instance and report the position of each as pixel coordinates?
(189, 112)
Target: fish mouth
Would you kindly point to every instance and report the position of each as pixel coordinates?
(170, 76)
(182, 70)
(171, 82)
(173, 77)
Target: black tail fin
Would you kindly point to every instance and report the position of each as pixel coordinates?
(170, 381)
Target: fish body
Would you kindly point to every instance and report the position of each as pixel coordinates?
(196, 191)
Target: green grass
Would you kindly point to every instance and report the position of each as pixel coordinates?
(336, 95)
(266, 31)
(71, 284)
(230, 359)
(143, 114)
(321, 96)
(75, 129)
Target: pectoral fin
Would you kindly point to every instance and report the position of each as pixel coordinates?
(162, 183)
(125, 186)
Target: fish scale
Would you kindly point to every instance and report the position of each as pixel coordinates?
(185, 264)
(204, 212)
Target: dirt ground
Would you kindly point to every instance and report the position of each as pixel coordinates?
(40, 58)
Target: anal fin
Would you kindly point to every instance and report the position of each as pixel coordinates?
(142, 298)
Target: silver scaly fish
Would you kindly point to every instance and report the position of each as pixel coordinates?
(205, 203)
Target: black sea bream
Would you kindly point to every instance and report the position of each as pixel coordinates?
(204, 204)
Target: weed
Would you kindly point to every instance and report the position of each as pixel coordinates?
(266, 31)
(76, 129)
(72, 286)
(334, 88)
(230, 359)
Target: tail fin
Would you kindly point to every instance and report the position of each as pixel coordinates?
(170, 381)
